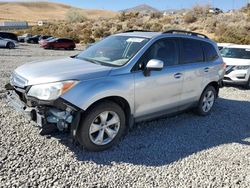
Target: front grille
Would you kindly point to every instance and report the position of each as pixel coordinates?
(17, 80)
(241, 77)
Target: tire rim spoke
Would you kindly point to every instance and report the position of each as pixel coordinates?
(110, 132)
(94, 128)
(208, 101)
(113, 121)
(99, 138)
(104, 117)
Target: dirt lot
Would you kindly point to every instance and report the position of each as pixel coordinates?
(182, 151)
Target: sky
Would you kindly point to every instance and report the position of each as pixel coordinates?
(159, 4)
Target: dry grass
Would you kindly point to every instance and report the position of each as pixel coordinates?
(33, 12)
(227, 27)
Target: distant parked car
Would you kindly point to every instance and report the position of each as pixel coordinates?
(33, 39)
(23, 37)
(223, 45)
(237, 59)
(7, 43)
(67, 44)
(42, 37)
(42, 41)
(7, 35)
(215, 11)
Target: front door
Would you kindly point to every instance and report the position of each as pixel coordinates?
(161, 91)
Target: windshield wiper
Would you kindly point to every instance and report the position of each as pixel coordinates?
(89, 60)
(98, 62)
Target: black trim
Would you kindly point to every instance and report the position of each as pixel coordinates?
(186, 32)
(58, 103)
(9, 87)
(136, 30)
(75, 124)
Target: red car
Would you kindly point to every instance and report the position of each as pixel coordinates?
(57, 43)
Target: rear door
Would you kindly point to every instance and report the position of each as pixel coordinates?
(193, 61)
(60, 43)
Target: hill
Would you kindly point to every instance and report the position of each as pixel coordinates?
(144, 9)
(34, 11)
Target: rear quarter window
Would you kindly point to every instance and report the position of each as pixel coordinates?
(209, 51)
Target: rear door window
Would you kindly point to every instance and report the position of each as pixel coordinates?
(191, 51)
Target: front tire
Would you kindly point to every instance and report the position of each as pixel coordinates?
(102, 126)
(207, 101)
(10, 45)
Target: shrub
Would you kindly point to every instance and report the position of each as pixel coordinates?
(156, 15)
(199, 10)
(189, 18)
(156, 27)
(98, 33)
(233, 34)
(74, 15)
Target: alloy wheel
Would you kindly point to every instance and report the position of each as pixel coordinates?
(104, 128)
(208, 101)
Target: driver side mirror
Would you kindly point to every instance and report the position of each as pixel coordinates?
(153, 65)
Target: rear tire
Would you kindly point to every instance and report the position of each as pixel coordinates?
(102, 127)
(206, 101)
(10, 45)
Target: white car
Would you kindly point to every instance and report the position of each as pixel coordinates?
(7, 43)
(223, 45)
(237, 59)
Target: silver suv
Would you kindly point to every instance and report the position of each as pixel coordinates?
(129, 77)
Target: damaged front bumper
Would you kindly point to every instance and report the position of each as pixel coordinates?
(43, 113)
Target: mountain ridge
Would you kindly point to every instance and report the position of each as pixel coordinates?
(49, 11)
(143, 8)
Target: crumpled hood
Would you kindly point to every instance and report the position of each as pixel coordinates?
(61, 69)
(234, 61)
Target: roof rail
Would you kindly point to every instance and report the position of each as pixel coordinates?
(136, 30)
(187, 33)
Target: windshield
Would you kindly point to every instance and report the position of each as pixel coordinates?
(113, 50)
(52, 40)
(240, 53)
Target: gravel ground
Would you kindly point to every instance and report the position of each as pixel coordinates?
(182, 151)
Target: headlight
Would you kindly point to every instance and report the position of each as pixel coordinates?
(242, 67)
(51, 91)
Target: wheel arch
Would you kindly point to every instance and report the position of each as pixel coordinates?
(122, 102)
(215, 85)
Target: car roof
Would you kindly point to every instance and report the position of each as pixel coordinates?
(225, 44)
(140, 34)
(150, 35)
(238, 46)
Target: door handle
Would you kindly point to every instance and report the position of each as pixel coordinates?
(178, 75)
(206, 69)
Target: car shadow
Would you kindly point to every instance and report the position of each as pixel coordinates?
(164, 141)
(239, 87)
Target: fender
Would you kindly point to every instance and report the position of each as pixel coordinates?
(84, 94)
